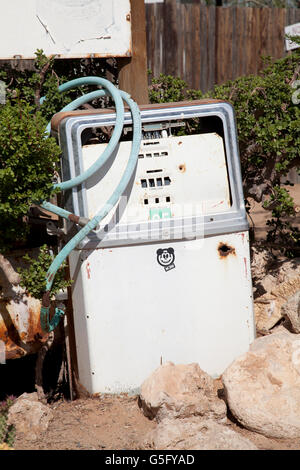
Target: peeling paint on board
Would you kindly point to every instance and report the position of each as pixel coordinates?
(65, 28)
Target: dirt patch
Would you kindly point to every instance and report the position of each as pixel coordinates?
(115, 422)
(102, 423)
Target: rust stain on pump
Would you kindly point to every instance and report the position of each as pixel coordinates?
(245, 263)
(225, 250)
(88, 270)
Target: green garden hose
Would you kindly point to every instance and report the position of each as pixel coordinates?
(118, 97)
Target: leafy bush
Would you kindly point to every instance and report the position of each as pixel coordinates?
(281, 230)
(33, 278)
(7, 432)
(27, 166)
(167, 88)
(45, 77)
(268, 124)
(28, 161)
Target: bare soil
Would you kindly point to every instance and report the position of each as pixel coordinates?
(115, 422)
(106, 422)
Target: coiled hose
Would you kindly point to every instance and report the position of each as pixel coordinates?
(118, 97)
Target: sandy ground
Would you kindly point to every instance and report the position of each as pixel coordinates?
(115, 422)
(108, 422)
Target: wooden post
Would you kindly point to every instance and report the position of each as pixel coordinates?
(133, 71)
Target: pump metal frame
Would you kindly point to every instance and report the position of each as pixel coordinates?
(231, 221)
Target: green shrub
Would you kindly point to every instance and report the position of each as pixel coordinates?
(33, 278)
(167, 88)
(7, 432)
(47, 74)
(28, 160)
(268, 124)
(27, 167)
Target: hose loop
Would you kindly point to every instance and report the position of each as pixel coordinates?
(118, 97)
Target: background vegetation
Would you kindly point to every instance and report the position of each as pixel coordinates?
(268, 123)
(7, 432)
(267, 119)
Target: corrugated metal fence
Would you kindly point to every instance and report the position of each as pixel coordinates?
(208, 45)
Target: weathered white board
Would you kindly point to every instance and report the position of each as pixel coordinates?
(292, 30)
(67, 28)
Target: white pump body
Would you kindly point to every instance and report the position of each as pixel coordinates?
(166, 276)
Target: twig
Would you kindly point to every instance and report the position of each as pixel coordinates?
(39, 367)
(295, 74)
(37, 94)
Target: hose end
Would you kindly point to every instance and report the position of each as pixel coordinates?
(48, 325)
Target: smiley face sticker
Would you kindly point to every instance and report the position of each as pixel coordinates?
(166, 258)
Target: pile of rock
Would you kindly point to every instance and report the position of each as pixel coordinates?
(184, 402)
(262, 391)
(29, 416)
(277, 293)
(262, 387)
